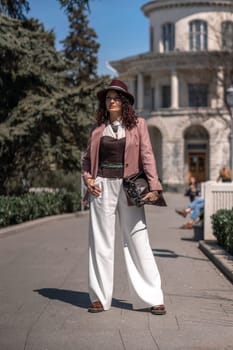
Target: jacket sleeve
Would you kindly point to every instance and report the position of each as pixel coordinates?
(147, 156)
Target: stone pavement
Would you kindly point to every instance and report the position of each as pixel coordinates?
(44, 299)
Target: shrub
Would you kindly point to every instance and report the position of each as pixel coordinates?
(222, 222)
(18, 209)
(18, 184)
(71, 182)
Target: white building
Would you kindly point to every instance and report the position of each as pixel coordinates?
(179, 86)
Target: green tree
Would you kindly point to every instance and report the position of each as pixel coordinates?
(81, 47)
(43, 123)
(14, 8)
(17, 8)
(69, 5)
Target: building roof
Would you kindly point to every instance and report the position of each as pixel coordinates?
(160, 4)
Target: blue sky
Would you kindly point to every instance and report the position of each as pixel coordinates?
(121, 26)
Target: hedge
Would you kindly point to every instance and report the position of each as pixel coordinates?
(222, 222)
(18, 209)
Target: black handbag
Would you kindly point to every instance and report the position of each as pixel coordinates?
(136, 186)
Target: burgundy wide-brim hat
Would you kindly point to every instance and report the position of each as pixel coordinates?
(117, 85)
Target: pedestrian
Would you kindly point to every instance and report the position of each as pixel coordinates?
(119, 146)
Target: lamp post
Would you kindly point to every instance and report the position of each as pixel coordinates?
(229, 99)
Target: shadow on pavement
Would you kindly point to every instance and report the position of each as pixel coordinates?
(190, 239)
(165, 253)
(76, 298)
(121, 304)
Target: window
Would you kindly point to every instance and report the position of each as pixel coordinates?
(168, 33)
(151, 38)
(166, 96)
(198, 38)
(227, 35)
(198, 95)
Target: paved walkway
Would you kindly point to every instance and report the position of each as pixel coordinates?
(44, 300)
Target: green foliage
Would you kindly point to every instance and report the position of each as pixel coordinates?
(44, 123)
(17, 8)
(70, 181)
(18, 209)
(14, 185)
(164, 186)
(14, 8)
(222, 222)
(81, 46)
(53, 179)
(69, 5)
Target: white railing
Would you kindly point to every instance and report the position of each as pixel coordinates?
(217, 196)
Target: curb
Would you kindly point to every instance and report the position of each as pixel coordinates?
(222, 259)
(28, 224)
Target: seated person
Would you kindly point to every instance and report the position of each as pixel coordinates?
(224, 175)
(193, 189)
(195, 208)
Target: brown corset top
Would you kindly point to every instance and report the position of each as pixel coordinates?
(111, 157)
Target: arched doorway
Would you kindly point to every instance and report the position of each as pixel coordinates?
(156, 141)
(196, 152)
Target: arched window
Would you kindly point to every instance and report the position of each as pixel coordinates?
(168, 37)
(198, 35)
(227, 35)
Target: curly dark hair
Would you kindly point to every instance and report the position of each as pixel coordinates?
(129, 116)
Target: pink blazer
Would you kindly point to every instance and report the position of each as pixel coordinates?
(138, 154)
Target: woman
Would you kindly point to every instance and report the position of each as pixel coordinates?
(224, 175)
(119, 146)
(193, 189)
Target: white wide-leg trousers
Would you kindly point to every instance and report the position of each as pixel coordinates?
(143, 275)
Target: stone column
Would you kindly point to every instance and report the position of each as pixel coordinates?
(174, 89)
(220, 88)
(131, 86)
(140, 92)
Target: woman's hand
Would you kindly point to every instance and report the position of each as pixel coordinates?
(92, 188)
(151, 196)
